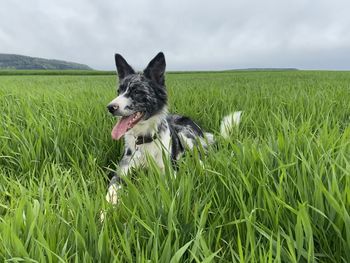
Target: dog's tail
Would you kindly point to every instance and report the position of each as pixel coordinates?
(230, 122)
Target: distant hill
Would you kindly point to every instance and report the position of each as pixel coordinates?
(11, 61)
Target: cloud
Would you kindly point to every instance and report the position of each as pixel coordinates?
(193, 34)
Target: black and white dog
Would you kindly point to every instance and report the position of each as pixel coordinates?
(148, 129)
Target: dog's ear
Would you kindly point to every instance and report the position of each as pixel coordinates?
(123, 68)
(156, 68)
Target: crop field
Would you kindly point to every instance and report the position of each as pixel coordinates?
(277, 191)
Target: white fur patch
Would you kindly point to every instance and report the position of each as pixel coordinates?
(187, 141)
(229, 122)
(112, 194)
(121, 102)
(102, 216)
(154, 149)
(209, 137)
(112, 198)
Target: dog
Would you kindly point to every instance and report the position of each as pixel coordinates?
(147, 127)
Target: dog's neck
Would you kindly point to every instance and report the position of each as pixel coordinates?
(149, 127)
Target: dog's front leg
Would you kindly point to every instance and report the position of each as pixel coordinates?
(125, 166)
(114, 185)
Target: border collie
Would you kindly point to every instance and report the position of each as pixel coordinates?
(147, 127)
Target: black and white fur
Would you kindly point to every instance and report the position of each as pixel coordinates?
(158, 131)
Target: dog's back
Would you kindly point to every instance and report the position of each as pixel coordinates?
(185, 133)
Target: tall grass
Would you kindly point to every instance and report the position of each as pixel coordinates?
(277, 191)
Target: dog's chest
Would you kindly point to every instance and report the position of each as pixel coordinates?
(154, 150)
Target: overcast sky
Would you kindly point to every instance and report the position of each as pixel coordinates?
(206, 34)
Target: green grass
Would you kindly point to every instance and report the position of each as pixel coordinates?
(277, 191)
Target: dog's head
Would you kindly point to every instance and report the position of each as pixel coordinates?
(140, 95)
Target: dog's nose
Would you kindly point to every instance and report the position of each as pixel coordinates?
(112, 108)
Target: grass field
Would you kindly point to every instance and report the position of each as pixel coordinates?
(277, 191)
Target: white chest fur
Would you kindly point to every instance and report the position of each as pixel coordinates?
(154, 150)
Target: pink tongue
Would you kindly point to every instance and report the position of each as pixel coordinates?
(121, 127)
